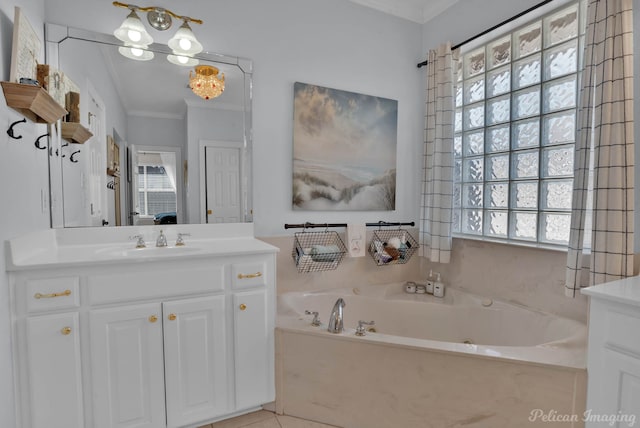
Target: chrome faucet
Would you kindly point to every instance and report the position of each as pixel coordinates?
(336, 320)
(162, 240)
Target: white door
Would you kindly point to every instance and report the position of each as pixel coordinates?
(55, 385)
(195, 360)
(127, 367)
(134, 194)
(96, 159)
(223, 193)
(252, 362)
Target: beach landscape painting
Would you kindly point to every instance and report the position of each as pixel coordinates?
(344, 150)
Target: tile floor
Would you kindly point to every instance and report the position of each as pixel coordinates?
(265, 419)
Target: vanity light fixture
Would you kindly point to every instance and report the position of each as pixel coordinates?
(132, 32)
(205, 82)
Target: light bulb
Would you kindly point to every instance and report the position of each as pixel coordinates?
(185, 44)
(185, 61)
(137, 53)
(134, 35)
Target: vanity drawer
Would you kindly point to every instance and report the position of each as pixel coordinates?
(46, 294)
(153, 284)
(249, 274)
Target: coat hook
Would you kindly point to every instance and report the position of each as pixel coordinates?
(62, 147)
(72, 159)
(10, 130)
(37, 143)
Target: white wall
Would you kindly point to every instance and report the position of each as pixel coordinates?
(23, 178)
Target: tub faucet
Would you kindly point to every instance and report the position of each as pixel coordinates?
(336, 320)
(162, 240)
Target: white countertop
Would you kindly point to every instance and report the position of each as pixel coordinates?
(622, 291)
(51, 248)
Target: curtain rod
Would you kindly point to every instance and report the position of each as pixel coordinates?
(506, 21)
(325, 225)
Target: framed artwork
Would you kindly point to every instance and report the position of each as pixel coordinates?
(24, 50)
(344, 150)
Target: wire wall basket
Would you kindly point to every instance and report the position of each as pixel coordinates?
(317, 251)
(393, 246)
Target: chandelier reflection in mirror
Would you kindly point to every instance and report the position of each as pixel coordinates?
(136, 38)
(205, 82)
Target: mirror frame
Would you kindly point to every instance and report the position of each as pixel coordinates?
(56, 34)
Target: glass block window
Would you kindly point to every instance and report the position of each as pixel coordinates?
(155, 192)
(515, 130)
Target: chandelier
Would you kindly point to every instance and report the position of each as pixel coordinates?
(136, 38)
(205, 82)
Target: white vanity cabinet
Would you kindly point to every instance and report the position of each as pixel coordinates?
(613, 361)
(173, 343)
(48, 358)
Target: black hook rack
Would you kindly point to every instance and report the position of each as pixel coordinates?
(72, 159)
(10, 132)
(326, 225)
(37, 143)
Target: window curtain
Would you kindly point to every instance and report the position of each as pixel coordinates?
(604, 140)
(169, 163)
(437, 186)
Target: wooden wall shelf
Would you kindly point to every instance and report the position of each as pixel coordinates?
(32, 102)
(75, 133)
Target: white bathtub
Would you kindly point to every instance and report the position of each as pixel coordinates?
(496, 362)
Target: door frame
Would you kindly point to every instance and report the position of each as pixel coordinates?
(135, 148)
(204, 144)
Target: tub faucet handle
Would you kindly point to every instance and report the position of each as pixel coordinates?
(360, 331)
(316, 317)
(140, 241)
(180, 239)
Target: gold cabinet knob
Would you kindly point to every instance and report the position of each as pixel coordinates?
(243, 306)
(153, 318)
(66, 331)
(172, 317)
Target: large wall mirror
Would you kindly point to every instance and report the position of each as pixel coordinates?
(158, 154)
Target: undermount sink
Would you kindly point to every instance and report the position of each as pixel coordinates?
(149, 251)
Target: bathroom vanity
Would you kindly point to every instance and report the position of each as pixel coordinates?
(109, 335)
(614, 353)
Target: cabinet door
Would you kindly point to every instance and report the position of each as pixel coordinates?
(54, 371)
(195, 360)
(253, 355)
(127, 368)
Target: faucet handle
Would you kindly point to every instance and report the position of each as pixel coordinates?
(140, 243)
(316, 318)
(179, 240)
(360, 331)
